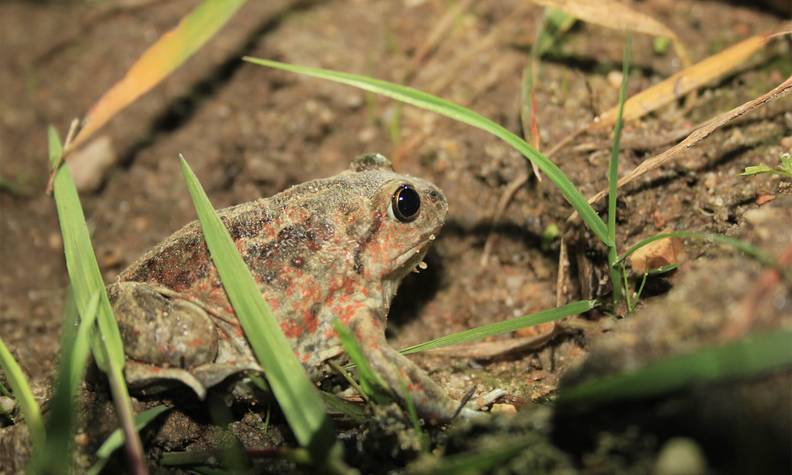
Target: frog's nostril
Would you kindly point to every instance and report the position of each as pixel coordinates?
(434, 196)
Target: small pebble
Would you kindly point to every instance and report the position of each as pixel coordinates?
(89, 165)
(7, 405)
(504, 409)
(615, 78)
(680, 456)
(657, 254)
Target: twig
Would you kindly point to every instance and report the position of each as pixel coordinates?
(563, 267)
(73, 127)
(699, 134)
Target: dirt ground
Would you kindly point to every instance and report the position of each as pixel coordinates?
(251, 132)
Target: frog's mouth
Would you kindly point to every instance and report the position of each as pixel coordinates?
(412, 260)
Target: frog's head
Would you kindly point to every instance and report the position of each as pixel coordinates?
(406, 213)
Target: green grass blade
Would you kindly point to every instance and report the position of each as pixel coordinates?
(613, 177)
(747, 357)
(298, 397)
(116, 438)
(743, 246)
(23, 395)
(454, 111)
(75, 345)
(80, 259)
(82, 345)
(505, 326)
(370, 383)
(86, 280)
(479, 461)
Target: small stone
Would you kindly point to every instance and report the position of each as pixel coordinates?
(90, 164)
(367, 135)
(615, 78)
(657, 254)
(54, 240)
(536, 330)
(786, 142)
(7, 405)
(504, 409)
(764, 199)
(680, 456)
(81, 439)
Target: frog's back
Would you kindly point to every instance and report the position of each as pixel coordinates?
(308, 229)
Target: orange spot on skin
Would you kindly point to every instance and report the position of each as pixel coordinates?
(291, 329)
(197, 342)
(310, 321)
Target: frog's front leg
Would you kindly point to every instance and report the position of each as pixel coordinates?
(402, 377)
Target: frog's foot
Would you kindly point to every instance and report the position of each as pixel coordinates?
(147, 379)
(472, 410)
(405, 379)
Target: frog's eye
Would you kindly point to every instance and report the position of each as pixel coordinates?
(405, 203)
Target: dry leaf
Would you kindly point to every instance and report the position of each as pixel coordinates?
(684, 81)
(617, 16)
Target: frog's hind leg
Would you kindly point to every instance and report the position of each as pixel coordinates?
(164, 336)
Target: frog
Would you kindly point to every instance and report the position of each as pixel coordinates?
(329, 249)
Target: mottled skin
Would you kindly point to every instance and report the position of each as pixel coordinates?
(324, 249)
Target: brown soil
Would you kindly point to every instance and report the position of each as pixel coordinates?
(250, 132)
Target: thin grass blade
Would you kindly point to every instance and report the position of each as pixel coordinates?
(23, 395)
(75, 346)
(159, 61)
(370, 383)
(618, 16)
(116, 438)
(86, 280)
(298, 397)
(480, 461)
(80, 259)
(454, 111)
(613, 176)
(748, 357)
(505, 326)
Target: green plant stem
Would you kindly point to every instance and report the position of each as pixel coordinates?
(613, 178)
